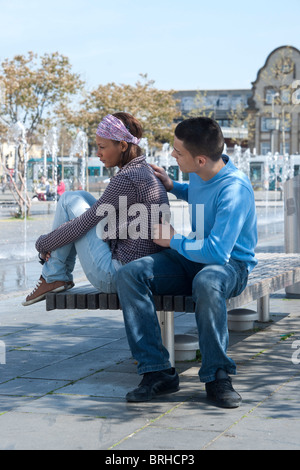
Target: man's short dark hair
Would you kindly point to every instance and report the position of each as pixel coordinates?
(201, 136)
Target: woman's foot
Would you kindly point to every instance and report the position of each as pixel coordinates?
(42, 288)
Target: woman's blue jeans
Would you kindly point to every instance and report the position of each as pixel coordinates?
(167, 272)
(94, 254)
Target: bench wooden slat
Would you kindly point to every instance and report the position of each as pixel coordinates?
(60, 301)
(81, 301)
(179, 304)
(93, 301)
(103, 302)
(70, 301)
(113, 302)
(274, 272)
(51, 301)
(189, 304)
(158, 302)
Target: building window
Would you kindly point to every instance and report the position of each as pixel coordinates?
(296, 96)
(237, 100)
(287, 148)
(224, 122)
(265, 148)
(268, 124)
(269, 95)
(187, 104)
(285, 96)
(222, 102)
(270, 98)
(285, 124)
(256, 172)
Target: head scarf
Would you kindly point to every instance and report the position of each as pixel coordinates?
(112, 128)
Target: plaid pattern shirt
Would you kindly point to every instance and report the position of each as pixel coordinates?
(129, 231)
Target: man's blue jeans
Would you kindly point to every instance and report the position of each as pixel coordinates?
(167, 272)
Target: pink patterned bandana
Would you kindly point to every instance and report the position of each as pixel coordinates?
(112, 128)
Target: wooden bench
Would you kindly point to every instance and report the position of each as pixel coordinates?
(275, 271)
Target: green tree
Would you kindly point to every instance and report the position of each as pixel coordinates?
(200, 106)
(156, 109)
(240, 120)
(33, 89)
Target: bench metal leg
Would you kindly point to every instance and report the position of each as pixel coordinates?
(263, 308)
(166, 321)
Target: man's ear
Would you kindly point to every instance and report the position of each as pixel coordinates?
(201, 160)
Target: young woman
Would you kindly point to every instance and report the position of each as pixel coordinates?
(127, 207)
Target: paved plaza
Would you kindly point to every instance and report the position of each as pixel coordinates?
(65, 373)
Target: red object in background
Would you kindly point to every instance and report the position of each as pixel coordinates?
(61, 188)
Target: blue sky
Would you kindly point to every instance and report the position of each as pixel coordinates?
(181, 44)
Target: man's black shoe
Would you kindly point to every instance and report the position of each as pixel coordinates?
(154, 384)
(221, 393)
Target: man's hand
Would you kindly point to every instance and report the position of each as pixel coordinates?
(163, 234)
(163, 176)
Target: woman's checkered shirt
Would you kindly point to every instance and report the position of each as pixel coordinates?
(136, 182)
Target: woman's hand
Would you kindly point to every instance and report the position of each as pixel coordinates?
(163, 176)
(45, 256)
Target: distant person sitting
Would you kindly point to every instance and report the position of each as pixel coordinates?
(46, 187)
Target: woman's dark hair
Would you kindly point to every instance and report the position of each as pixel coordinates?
(201, 136)
(135, 128)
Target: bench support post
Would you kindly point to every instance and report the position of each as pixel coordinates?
(263, 308)
(166, 321)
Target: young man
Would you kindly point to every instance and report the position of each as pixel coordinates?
(212, 267)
